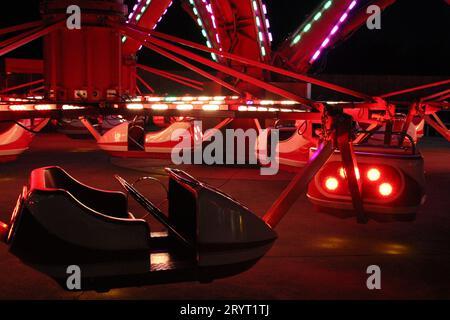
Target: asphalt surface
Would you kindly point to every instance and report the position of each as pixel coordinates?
(316, 256)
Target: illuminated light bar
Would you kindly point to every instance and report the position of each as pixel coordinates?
(135, 106)
(42, 107)
(333, 31)
(160, 107)
(266, 102)
(185, 107)
(207, 5)
(210, 107)
(263, 28)
(219, 98)
(288, 102)
(19, 107)
(153, 99)
(242, 108)
(306, 27)
(187, 99)
(138, 11)
(71, 107)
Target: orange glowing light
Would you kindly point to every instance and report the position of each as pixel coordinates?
(385, 189)
(373, 174)
(331, 184)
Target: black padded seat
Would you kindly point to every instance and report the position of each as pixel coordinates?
(84, 216)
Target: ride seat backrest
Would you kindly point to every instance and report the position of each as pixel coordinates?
(136, 136)
(183, 210)
(110, 203)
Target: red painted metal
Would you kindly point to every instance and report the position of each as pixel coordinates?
(436, 95)
(182, 80)
(296, 55)
(298, 185)
(24, 85)
(148, 19)
(264, 66)
(37, 33)
(145, 84)
(425, 86)
(221, 68)
(445, 133)
(87, 64)
(24, 66)
(189, 66)
(21, 27)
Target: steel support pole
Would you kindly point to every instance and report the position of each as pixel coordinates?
(298, 185)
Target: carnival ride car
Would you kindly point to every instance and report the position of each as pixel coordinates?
(58, 219)
(58, 216)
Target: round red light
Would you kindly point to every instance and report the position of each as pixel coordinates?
(373, 174)
(331, 184)
(385, 189)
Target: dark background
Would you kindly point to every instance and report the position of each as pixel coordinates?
(414, 39)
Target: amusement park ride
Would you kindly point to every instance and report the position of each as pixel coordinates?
(356, 157)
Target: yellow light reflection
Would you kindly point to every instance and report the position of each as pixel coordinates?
(394, 248)
(331, 243)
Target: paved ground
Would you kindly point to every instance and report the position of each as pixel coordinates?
(316, 256)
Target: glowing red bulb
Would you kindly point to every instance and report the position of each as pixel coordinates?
(385, 189)
(373, 174)
(331, 184)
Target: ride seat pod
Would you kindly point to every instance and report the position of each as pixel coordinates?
(60, 221)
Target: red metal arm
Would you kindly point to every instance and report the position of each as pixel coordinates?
(263, 66)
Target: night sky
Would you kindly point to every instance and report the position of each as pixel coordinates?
(414, 39)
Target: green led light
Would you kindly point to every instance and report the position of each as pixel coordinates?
(307, 27)
(124, 39)
(317, 16)
(328, 4)
(171, 99)
(297, 39)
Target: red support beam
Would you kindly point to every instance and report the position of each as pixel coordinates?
(437, 127)
(29, 38)
(298, 185)
(21, 27)
(258, 64)
(37, 89)
(425, 86)
(183, 63)
(170, 77)
(23, 85)
(144, 83)
(199, 83)
(436, 95)
(242, 76)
